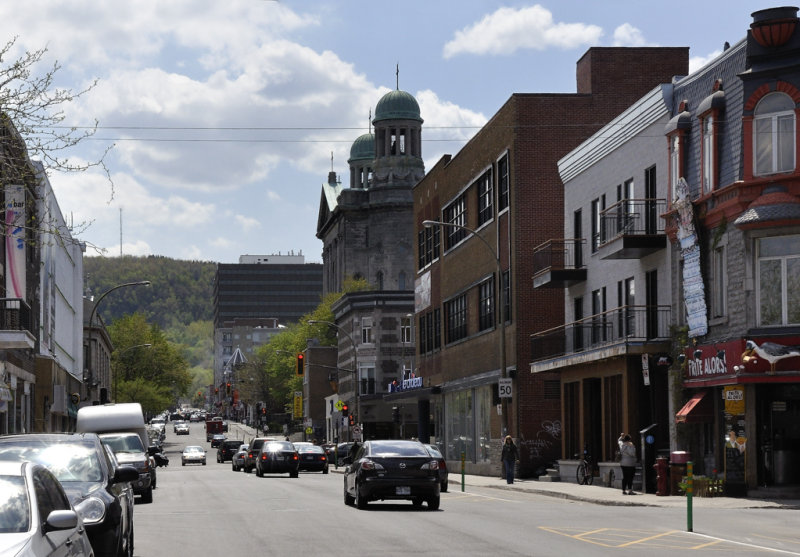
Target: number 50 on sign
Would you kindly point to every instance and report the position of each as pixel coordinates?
(504, 388)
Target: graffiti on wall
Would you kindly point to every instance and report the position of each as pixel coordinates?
(549, 433)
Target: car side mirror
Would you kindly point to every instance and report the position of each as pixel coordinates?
(61, 520)
(126, 474)
(153, 450)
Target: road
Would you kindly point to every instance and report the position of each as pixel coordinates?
(212, 511)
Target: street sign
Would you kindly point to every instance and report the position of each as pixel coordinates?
(309, 430)
(504, 388)
(356, 432)
(339, 405)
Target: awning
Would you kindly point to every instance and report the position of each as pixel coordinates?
(5, 394)
(697, 410)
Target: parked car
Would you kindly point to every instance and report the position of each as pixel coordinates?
(443, 475)
(277, 457)
(392, 469)
(252, 452)
(36, 517)
(342, 452)
(128, 449)
(96, 484)
(193, 455)
(182, 428)
(217, 439)
(227, 449)
(312, 458)
(237, 462)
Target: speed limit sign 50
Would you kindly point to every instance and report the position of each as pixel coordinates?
(504, 388)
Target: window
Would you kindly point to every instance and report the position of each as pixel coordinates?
(717, 293)
(779, 280)
(226, 337)
(455, 213)
(626, 320)
(405, 330)
(708, 154)
(456, 319)
(428, 245)
(675, 172)
(486, 304)
(599, 315)
(366, 330)
(507, 296)
(502, 182)
(485, 197)
(366, 379)
(430, 337)
(625, 209)
(773, 127)
(598, 206)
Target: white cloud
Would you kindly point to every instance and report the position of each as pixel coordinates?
(247, 223)
(507, 30)
(697, 62)
(628, 35)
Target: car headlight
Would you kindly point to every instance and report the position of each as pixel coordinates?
(92, 510)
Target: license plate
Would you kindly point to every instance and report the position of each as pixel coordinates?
(309, 458)
(403, 490)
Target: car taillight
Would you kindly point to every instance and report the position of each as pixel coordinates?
(323, 458)
(294, 456)
(432, 465)
(264, 456)
(371, 465)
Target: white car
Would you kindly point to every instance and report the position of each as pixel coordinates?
(26, 489)
(182, 429)
(193, 454)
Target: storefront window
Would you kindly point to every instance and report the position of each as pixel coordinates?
(459, 417)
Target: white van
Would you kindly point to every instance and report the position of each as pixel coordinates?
(122, 418)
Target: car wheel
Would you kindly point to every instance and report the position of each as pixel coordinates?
(325, 470)
(361, 501)
(433, 503)
(204, 463)
(347, 499)
(443, 489)
(294, 474)
(233, 468)
(183, 463)
(147, 496)
(259, 473)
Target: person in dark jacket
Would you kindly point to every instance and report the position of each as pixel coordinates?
(509, 457)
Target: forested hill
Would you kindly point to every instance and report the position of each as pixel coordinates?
(180, 293)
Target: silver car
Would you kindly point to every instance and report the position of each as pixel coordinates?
(36, 517)
(193, 454)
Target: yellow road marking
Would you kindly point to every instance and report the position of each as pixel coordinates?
(643, 540)
(704, 545)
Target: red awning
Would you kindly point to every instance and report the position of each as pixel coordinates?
(696, 410)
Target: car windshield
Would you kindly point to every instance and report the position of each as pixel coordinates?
(15, 508)
(279, 446)
(193, 450)
(69, 462)
(397, 448)
(123, 443)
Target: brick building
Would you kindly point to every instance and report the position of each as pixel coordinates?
(504, 187)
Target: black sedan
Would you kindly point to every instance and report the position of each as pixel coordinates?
(390, 470)
(437, 454)
(217, 440)
(97, 486)
(227, 449)
(277, 457)
(313, 458)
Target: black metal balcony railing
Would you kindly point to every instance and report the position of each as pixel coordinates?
(558, 254)
(632, 217)
(15, 315)
(627, 324)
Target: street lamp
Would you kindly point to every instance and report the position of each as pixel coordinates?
(119, 355)
(90, 366)
(355, 361)
(501, 303)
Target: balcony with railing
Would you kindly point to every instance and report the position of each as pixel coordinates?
(559, 263)
(15, 324)
(632, 228)
(621, 331)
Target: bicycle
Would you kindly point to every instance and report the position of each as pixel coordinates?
(584, 474)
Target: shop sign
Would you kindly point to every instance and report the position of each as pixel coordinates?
(734, 400)
(405, 385)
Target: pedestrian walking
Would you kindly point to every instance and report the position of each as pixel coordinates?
(509, 457)
(627, 461)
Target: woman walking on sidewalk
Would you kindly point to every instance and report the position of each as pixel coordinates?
(509, 457)
(627, 461)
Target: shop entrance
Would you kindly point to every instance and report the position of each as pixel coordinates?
(779, 434)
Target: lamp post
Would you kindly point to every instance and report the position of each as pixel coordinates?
(355, 361)
(90, 367)
(119, 355)
(500, 302)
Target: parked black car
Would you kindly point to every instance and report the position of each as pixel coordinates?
(97, 486)
(252, 453)
(313, 458)
(277, 457)
(392, 469)
(227, 449)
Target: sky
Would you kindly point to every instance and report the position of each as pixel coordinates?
(224, 117)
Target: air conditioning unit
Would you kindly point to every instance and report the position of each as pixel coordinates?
(59, 399)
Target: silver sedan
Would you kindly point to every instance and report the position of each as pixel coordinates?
(193, 454)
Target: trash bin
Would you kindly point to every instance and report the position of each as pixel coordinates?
(662, 476)
(677, 469)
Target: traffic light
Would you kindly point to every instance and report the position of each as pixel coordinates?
(228, 387)
(344, 410)
(396, 414)
(300, 366)
(352, 419)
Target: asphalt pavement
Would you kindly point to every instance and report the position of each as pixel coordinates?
(596, 494)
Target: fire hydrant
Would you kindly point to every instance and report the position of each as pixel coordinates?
(662, 480)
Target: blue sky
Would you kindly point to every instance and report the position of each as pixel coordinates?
(226, 116)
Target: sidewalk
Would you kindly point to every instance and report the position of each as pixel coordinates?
(596, 494)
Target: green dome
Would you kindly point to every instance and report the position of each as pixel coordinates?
(397, 105)
(363, 148)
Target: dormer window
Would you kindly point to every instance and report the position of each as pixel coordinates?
(774, 135)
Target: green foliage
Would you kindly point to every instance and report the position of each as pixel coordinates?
(153, 398)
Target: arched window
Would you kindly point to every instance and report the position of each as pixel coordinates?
(774, 135)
